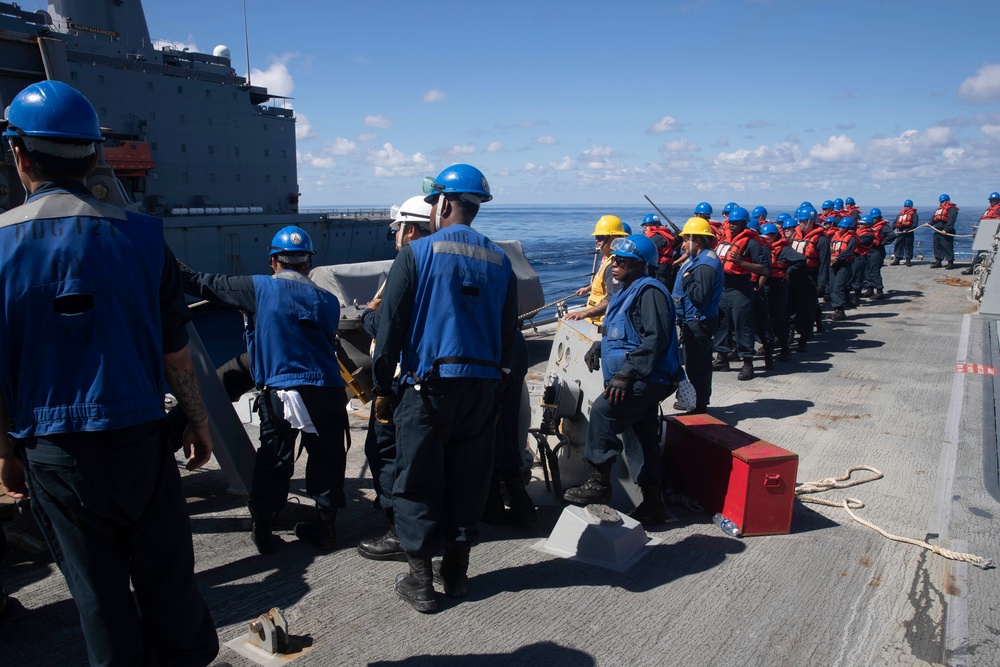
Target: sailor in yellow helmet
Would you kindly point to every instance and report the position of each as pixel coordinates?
(607, 229)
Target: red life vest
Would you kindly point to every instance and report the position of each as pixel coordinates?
(904, 220)
(839, 243)
(854, 211)
(992, 212)
(778, 269)
(865, 241)
(718, 230)
(941, 215)
(878, 227)
(738, 245)
(667, 251)
(807, 246)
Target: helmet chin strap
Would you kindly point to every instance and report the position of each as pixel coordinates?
(436, 222)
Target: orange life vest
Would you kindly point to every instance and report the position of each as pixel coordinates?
(904, 220)
(807, 246)
(943, 212)
(992, 212)
(840, 242)
(667, 251)
(878, 227)
(778, 269)
(865, 241)
(738, 245)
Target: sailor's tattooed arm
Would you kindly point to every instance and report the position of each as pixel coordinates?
(181, 377)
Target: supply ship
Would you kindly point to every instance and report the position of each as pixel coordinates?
(187, 139)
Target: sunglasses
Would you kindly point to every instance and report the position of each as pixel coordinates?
(621, 261)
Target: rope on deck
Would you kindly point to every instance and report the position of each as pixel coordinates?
(532, 313)
(849, 504)
(938, 231)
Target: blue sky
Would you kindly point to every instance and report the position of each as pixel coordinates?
(590, 102)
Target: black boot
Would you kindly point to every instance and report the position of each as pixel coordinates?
(868, 292)
(597, 488)
(894, 262)
(879, 295)
(768, 358)
(386, 547)
(909, 262)
(650, 511)
(838, 315)
(801, 345)
(452, 571)
(950, 266)
(522, 507)
(321, 532)
(785, 354)
(936, 264)
(417, 585)
(721, 362)
(494, 512)
(260, 531)
(733, 356)
(746, 373)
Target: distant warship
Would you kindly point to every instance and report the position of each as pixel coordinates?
(187, 139)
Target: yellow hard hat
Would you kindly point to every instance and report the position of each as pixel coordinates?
(697, 227)
(609, 225)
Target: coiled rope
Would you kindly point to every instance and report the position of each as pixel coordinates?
(845, 481)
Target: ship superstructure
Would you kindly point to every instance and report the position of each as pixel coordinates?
(188, 139)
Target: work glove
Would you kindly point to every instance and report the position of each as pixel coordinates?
(593, 357)
(618, 387)
(384, 407)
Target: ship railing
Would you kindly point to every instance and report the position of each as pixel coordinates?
(348, 212)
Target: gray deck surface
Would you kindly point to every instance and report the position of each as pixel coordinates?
(879, 388)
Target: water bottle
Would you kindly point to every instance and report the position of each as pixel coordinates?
(727, 526)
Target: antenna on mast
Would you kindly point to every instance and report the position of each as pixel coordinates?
(246, 39)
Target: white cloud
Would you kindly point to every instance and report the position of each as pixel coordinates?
(276, 78)
(596, 151)
(680, 146)
(532, 169)
(434, 95)
(390, 162)
(303, 129)
(367, 136)
(838, 148)
(308, 159)
(665, 124)
(494, 147)
(912, 145)
(982, 88)
(546, 140)
(780, 158)
(341, 146)
(463, 149)
(377, 121)
(566, 164)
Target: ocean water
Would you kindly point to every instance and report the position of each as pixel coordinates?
(557, 241)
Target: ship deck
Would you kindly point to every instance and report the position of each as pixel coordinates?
(880, 389)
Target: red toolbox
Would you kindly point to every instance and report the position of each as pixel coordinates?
(749, 480)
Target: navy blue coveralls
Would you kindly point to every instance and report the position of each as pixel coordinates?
(640, 342)
(697, 292)
(92, 303)
(380, 442)
(450, 313)
(290, 329)
(736, 308)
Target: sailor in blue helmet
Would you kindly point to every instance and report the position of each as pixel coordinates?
(664, 241)
(992, 214)
(843, 247)
(943, 222)
(905, 224)
(290, 326)
(94, 326)
(451, 313)
(639, 357)
(703, 210)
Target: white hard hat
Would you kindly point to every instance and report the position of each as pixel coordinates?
(414, 211)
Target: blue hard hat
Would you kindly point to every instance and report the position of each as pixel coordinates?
(769, 228)
(636, 246)
(753, 224)
(52, 110)
(463, 180)
(875, 212)
(627, 228)
(845, 223)
(866, 220)
(789, 223)
(730, 207)
(706, 208)
(291, 240)
(782, 217)
(827, 204)
(805, 214)
(806, 204)
(995, 195)
(651, 219)
(832, 219)
(758, 211)
(944, 198)
(739, 214)
(849, 200)
(838, 204)
(908, 202)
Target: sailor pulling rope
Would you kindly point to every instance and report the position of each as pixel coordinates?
(802, 491)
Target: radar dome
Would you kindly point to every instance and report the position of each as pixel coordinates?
(222, 51)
